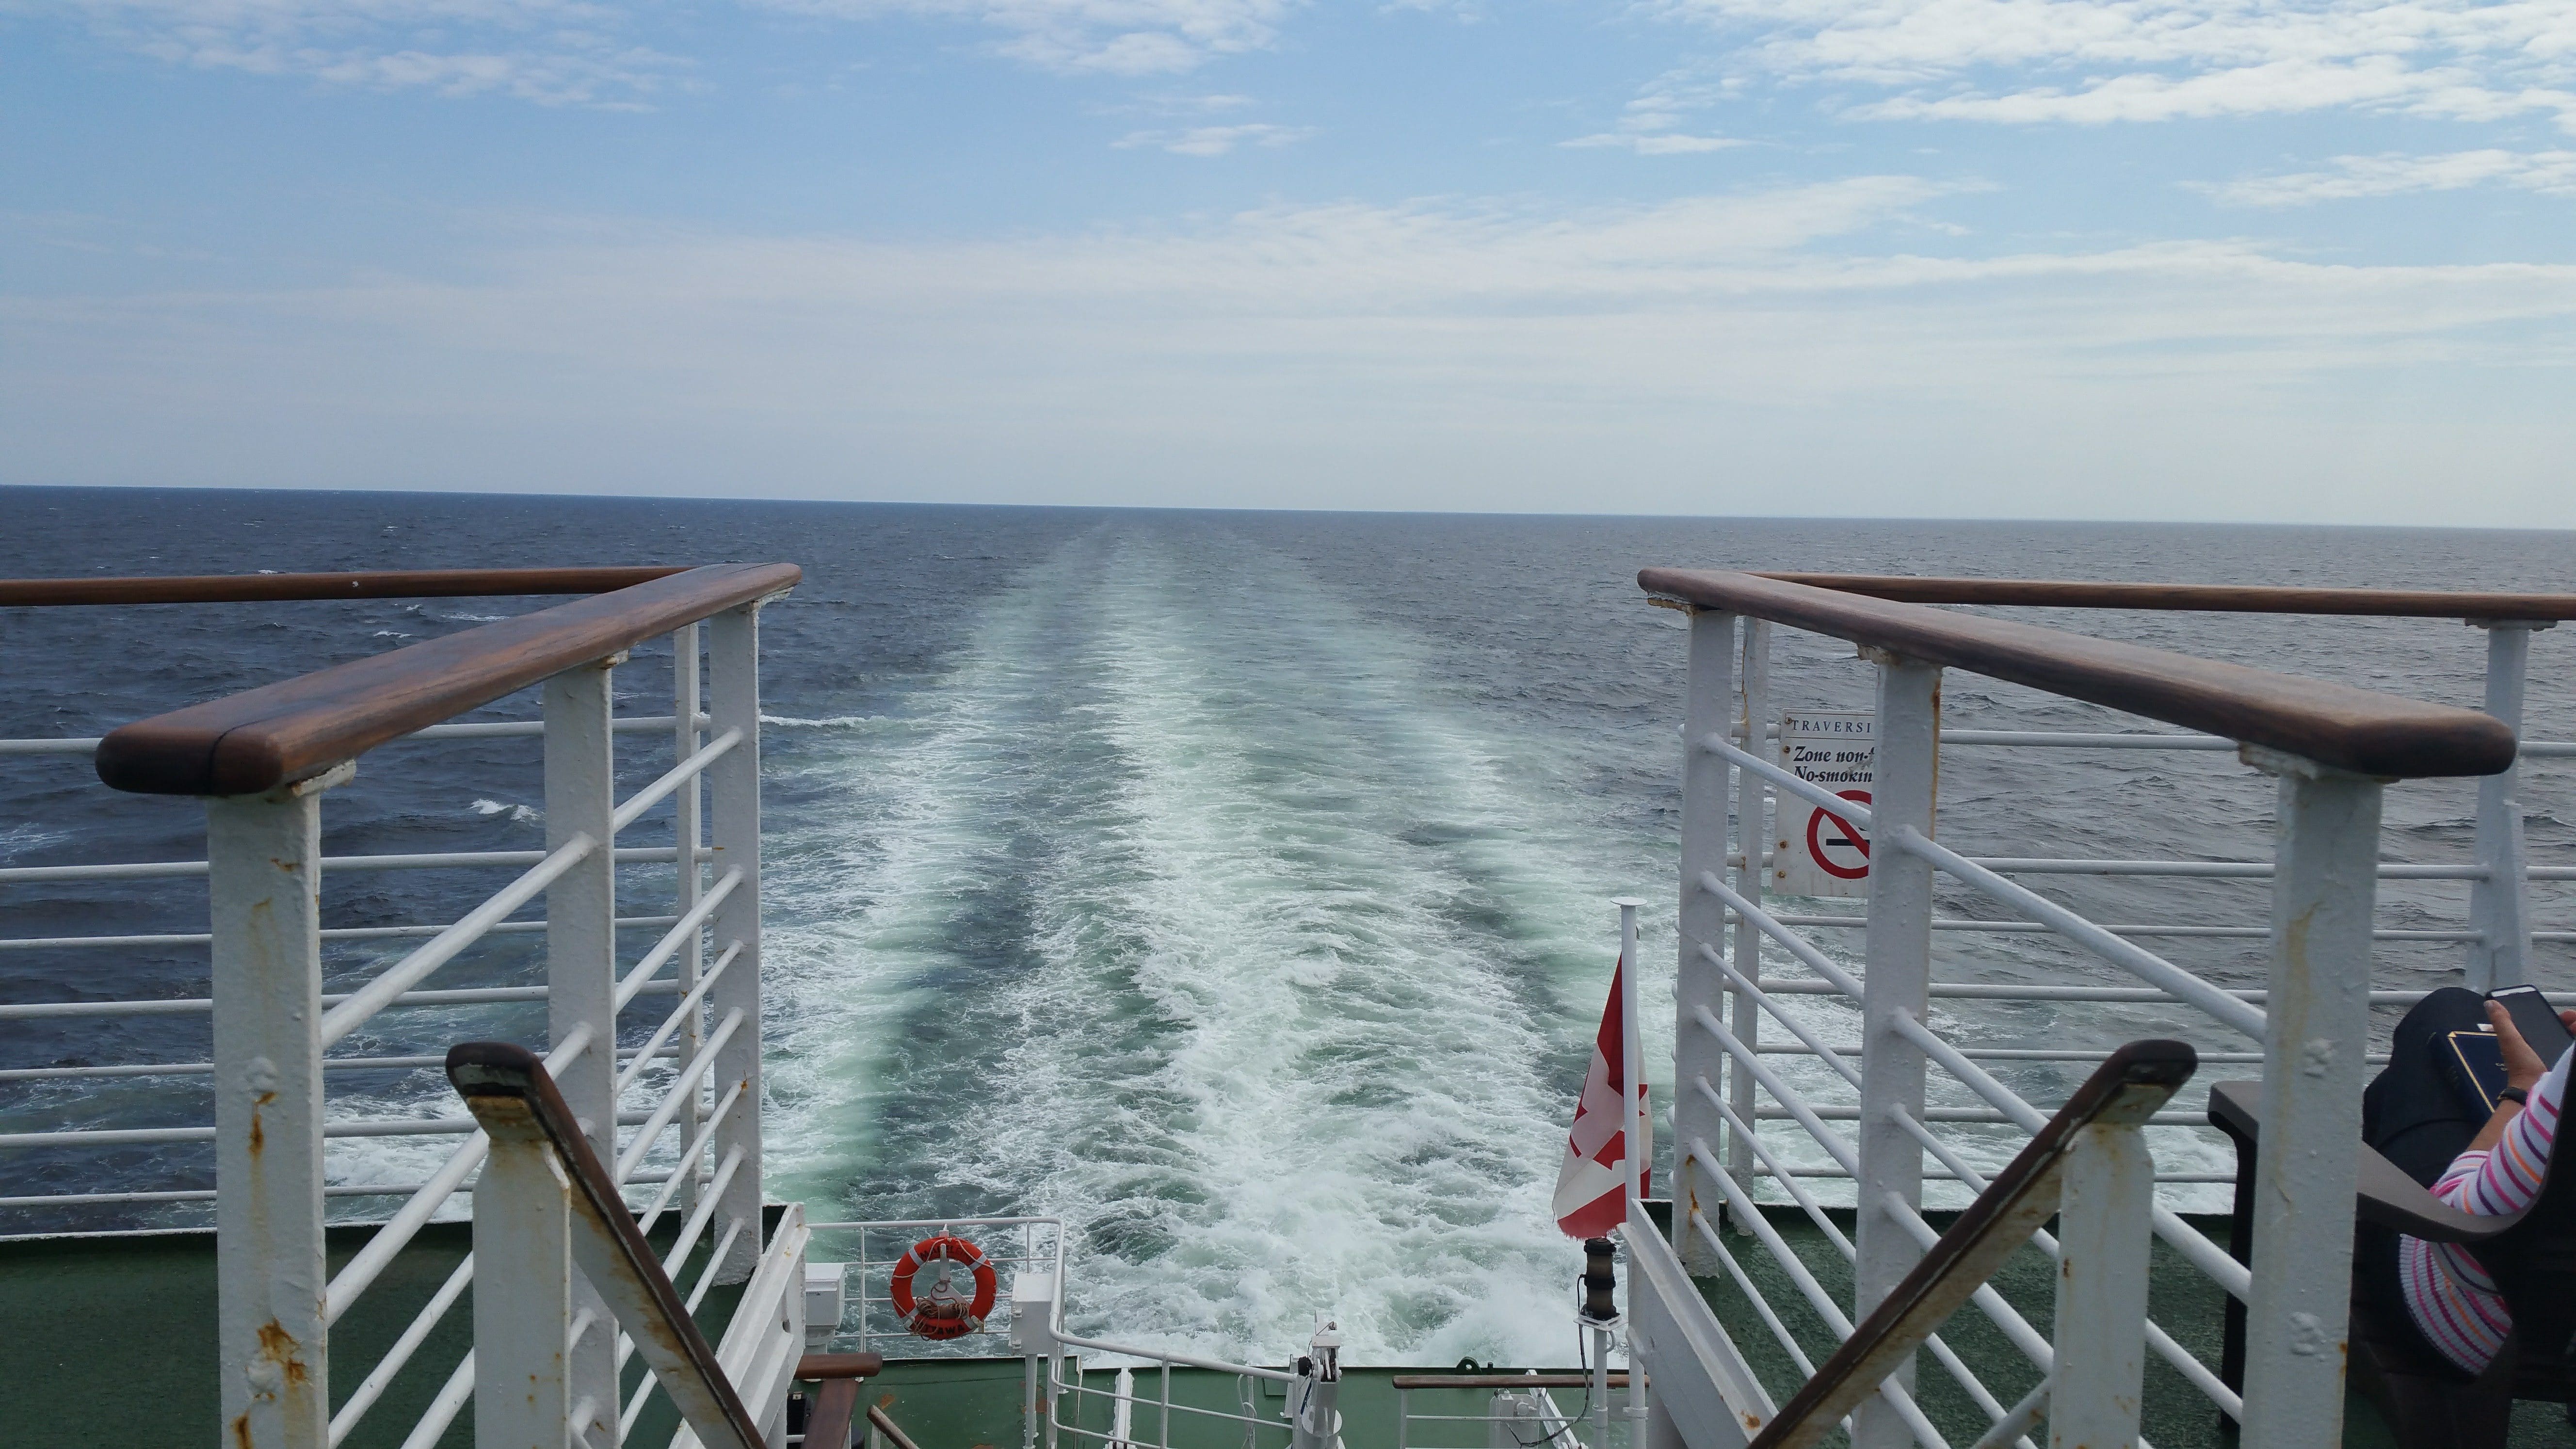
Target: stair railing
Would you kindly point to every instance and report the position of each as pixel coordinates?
(2090, 1167)
(545, 1205)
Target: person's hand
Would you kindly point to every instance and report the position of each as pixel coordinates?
(2522, 1066)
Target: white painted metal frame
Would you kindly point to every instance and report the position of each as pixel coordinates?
(2311, 1021)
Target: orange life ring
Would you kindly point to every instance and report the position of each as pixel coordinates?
(943, 1313)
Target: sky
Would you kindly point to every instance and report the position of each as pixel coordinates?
(2167, 259)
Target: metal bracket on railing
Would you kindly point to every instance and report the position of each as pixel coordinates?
(1314, 1398)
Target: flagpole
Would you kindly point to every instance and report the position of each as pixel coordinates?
(1639, 1131)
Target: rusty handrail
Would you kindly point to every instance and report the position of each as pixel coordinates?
(513, 1097)
(370, 584)
(2207, 598)
(295, 729)
(2359, 730)
(2127, 1089)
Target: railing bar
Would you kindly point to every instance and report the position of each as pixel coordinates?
(123, 1136)
(671, 1023)
(673, 778)
(207, 1194)
(2231, 933)
(697, 1219)
(1186, 1360)
(1814, 1292)
(1974, 1115)
(344, 1018)
(186, 1006)
(2183, 1360)
(2007, 1319)
(335, 933)
(682, 1089)
(626, 1341)
(1933, 1175)
(2195, 1246)
(454, 859)
(678, 936)
(182, 1069)
(371, 1260)
(1980, 991)
(1842, 1151)
(442, 1411)
(2086, 739)
(416, 1333)
(506, 728)
(1752, 1294)
(688, 1163)
(1817, 1047)
(1799, 946)
(1805, 1200)
(2041, 1054)
(2146, 964)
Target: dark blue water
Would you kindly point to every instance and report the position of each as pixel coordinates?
(1233, 884)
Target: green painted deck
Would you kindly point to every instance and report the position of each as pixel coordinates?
(111, 1339)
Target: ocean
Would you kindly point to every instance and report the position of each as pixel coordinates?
(1234, 885)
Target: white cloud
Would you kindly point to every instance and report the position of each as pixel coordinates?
(1767, 351)
(2549, 172)
(556, 52)
(1650, 125)
(1113, 37)
(1215, 140)
(2093, 61)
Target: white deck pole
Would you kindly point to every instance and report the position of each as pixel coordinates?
(523, 1294)
(581, 979)
(1753, 830)
(1899, 954)
(2105, 1217)
(687, 830)
(2498, 905)
(1696, 983)
(1640, 1130)
(733, 789)
(2305, 1168)
(264, 855)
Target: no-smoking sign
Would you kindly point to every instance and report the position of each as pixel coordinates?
(1830, 856)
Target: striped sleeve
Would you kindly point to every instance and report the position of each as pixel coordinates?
(2506, 1178)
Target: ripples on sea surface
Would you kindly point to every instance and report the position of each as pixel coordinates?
(1231, 884)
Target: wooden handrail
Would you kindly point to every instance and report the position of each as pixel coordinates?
(2209, 598)
(2359, 730)
(372, 584)
(515, 1100)
(2126, 1090)
(295, 729)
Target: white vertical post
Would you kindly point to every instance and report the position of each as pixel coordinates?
(523, 1293)
(581, 976)
(2326, 860)
(1696, 1055)
(2498, 904)
(2105, 1213)
(733, 788)
(1899, 955)
(1640, 1128)
(686, 832)
(1752, 829)
(264, 866)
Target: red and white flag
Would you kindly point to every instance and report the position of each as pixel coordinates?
(1593, 1182)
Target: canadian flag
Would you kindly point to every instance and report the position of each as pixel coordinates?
(1592, 1183)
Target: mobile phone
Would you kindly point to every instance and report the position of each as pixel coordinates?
(2534, 1018)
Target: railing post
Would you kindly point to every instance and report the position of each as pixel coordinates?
(581, 976)
(2498, 903)
(2326, 876)
(733, 788)
(523, 1293)
(2105, 1214)
(1753, 830)
(686, 832)
(264, 869)
(1696, 1056)
(1899, 955)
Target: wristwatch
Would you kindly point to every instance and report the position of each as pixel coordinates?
(2519, 1096)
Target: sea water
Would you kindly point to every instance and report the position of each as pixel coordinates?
(1234, 885)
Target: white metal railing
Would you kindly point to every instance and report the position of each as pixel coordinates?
(657, 1052)
(1886, 1100)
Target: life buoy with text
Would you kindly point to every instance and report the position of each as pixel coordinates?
(943, 1312)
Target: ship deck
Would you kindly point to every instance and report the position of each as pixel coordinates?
(123, 1325)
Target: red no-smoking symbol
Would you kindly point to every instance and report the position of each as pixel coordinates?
(1845, 839)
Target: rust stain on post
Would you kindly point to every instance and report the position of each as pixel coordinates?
(279, 1347)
